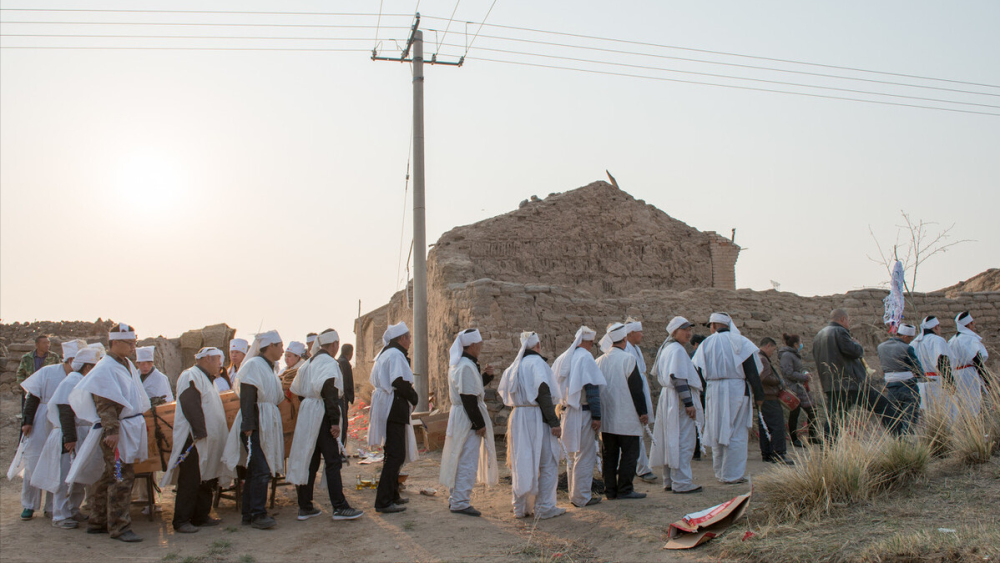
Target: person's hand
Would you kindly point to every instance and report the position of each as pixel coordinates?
(595, 425)
(481, 432)
(759, 403)
(488, 370)
(335, 431)
(557, 432)
(26, 429)
(111, 440)
(692, 414)
(644, 419)
(246, 433)
(69, 446)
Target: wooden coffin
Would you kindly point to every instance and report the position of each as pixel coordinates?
(162, 418)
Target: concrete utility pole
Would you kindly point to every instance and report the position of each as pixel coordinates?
(419, 328)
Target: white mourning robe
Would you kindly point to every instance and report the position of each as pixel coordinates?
(257, 372)
(54, 464)
(965, 346)
(578, 438)
(42, 384)
(532, 450)
(728, 409)
(120, 384)
(390, 365)
(618, 415)
(213, 445)
(674, 432)
(158, 385)
(456, 457)
(642, 466)
(930, 347)
(308, 384)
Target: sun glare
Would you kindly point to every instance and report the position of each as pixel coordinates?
(150, 180)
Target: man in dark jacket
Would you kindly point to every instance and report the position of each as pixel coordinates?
(773, 448)
(842, 373)
(346, 354)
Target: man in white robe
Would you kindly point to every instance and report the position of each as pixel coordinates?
(199, 439)
(389, 420)
(580, 381)
(634, 338)
(529, 389)
(935, 359)
(112, 396)
(156, 384)
(623, 408)
(469, 453)
(320, 385)
(679, 411)
(39, 389)
(67, 431)
(731, 368)
(238, 348)
(256, 439)
(970, 356)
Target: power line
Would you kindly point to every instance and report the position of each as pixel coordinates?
(204, 24)
(243, 37)
(486, 17)
(216, 12)
(728, 54)
(447, 27)
(736, 65)
(53, 48)
(378, 22)
(734, 86)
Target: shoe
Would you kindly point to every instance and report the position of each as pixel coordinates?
(307, 514)
(782, 460)
(632, 495)
(390, 509)
(128, 536)
(246, 522)
(67, 524)
(209, 522)
(668, 488)
(468, 511)
(739, 481)
(697, 489)
(555, 512)
(528, 515)
(798, 443)
(610, 497)
(27, 514)
(648, 477)
(347, 513)
(593, 501)
(264, 522)
(186, 528)
(401, 500)
(80, 517)
(97, 529)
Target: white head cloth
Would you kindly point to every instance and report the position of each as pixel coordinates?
(323, 339)
(582, 333)
(208, 351)
(906, 330)
(262, 340)
(632, 325)
(676, 323)
(964, 321)
(125, 333)
(508, 382)
(394, 331)
(239, 345)
(69, 349)
(462, 339)
(616, 333)
(297, 348)
(929, 322)
(146, 353)
(720, 318)
(311, 338)
(88, 355)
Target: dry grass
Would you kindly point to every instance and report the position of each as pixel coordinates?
(980, 542)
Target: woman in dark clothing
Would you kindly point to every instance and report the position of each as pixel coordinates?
(797, 381)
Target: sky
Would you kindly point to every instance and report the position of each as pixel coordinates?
(171, 189)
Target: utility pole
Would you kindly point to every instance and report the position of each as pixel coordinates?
(419, 329)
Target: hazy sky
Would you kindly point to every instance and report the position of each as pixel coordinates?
(173, 189)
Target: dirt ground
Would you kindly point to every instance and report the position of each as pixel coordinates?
(427, 531)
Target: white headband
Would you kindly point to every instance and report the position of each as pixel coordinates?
(328, 338)
(394, 331)
(88, 355)
(296, 347)
(268, 338)
(146, 353)
(906, 330)
(720, 318)
(529, 339)
(208, 351)
(676, 323)
(633, 326)
(462, 339)
(616, 333)
(964, 322)
(239, 345)
(930, 322)
(310, 339)
(586, 333)
(69, 349)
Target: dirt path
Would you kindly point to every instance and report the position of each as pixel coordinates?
(427, 531)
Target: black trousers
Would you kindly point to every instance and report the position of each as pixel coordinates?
(395, 455)
(838, 403)
(774, 417)
(194, 496)
(344, 407)
(620, 456)
(326, 446)
(793, 420)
